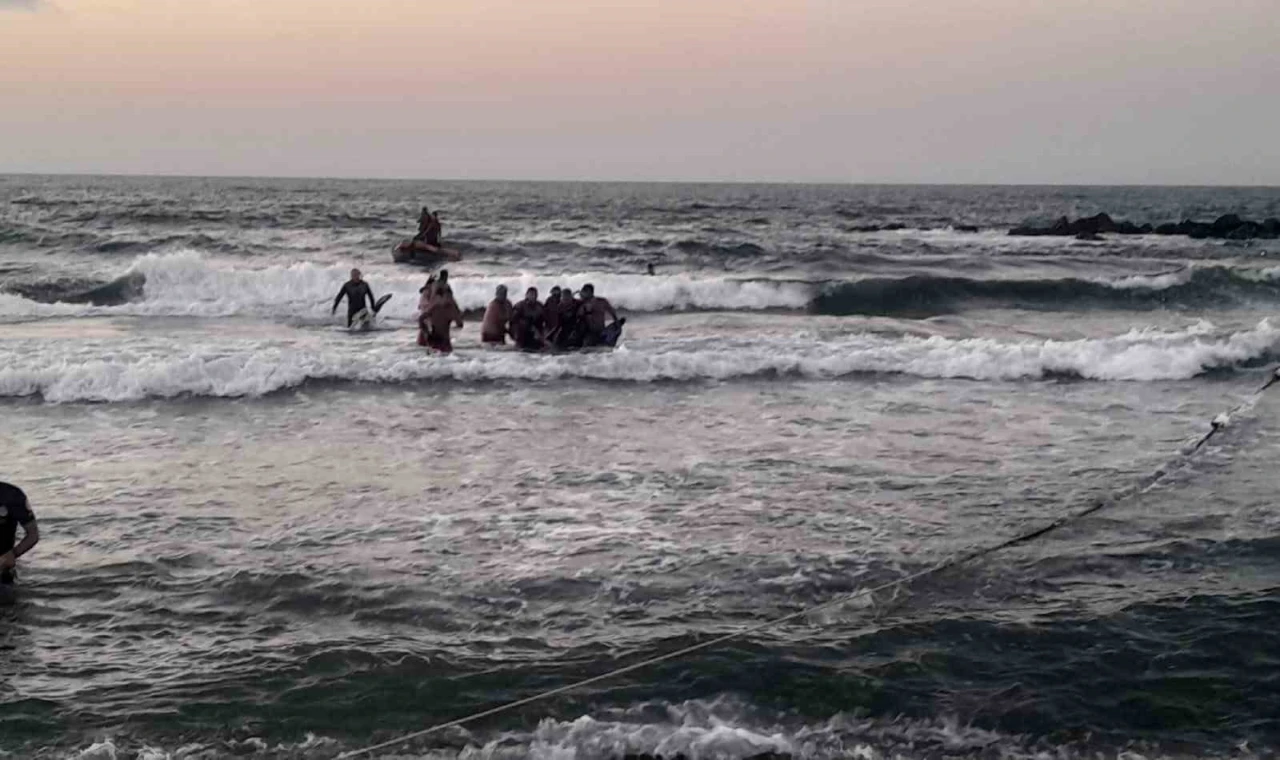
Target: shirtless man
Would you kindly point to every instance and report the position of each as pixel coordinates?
(15, 511)
(528, 322)
(592, 313)
(442, 312)
(493, 330)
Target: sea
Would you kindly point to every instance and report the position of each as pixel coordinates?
(263, 536)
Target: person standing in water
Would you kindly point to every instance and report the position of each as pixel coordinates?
(592, 312)
(493, 330)
(551, 313)
(566, 318)
(424, 303)
(528, 322)
(442, 312)
(356, 291)
(15, 512)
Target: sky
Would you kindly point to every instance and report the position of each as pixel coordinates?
(936, 91)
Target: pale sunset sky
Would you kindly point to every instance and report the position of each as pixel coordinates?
(1036, 91)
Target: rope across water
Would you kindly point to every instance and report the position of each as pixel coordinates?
(1218, 423)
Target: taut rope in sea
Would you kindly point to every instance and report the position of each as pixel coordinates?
(1217, 424)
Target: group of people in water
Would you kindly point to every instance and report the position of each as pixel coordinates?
(564, 322)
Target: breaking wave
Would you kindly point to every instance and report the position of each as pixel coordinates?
(161, 367)
(725, 728)
(188, 284)
(1201, 287)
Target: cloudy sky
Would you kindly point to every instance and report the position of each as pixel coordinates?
(1052, 91)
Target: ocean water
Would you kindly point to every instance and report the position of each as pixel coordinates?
(265, 537)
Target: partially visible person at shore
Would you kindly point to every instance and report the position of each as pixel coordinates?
(15, 512)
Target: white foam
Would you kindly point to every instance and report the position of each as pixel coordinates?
(188, 284)
(720, 729)
(156, 365)
(1150, 281)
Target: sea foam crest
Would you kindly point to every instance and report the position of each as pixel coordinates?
(188, 284)
(94, 369)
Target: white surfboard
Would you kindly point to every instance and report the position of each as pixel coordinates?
(364, 319)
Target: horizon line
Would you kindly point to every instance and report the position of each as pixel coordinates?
(795, 182)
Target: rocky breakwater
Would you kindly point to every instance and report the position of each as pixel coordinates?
(1226, 227)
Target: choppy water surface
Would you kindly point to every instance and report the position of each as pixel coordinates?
(266, 537)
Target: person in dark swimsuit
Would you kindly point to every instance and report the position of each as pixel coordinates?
(356, 291)
(551, 313)
(528, 322)
(432, 234)
(15, 511)
(566, 320)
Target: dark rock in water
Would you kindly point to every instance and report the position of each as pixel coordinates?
(1246, 231)
(1096, 225)
(1129, 228)
(682, 756)
(965, 227)
(890, 227)
(1064, 227)
(1227, 226)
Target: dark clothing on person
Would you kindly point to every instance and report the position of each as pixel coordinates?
(428, 230)
(356, 293)
(568, 324)
(14, 511)
(527, 320)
